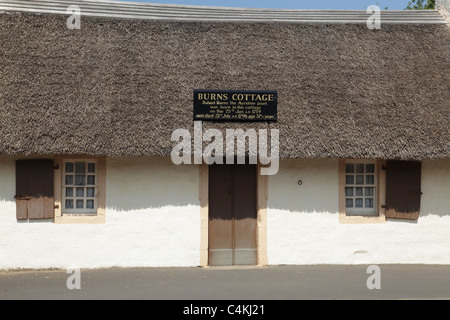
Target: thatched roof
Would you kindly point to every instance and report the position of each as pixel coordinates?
(119, 87)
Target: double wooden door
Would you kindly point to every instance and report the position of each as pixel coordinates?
(232, 214)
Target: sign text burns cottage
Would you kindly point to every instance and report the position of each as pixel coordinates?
(222, 105)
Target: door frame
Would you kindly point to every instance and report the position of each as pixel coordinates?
(261, 219)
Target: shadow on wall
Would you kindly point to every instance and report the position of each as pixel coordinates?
(299, 186)
(312, 186)
(7, 178)
(305, 186)
(150, 182)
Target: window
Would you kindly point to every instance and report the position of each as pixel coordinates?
(360, 188)
(376, 190)
(79, 187)
(361, 191)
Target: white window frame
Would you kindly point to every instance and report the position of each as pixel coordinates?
(362, 211)
(74, 187)
(349, 217)
(97, 216)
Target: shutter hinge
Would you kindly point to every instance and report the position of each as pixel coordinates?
(383, 167)
(383, 206)
(56, 167)
(22, 197)
(56, 206)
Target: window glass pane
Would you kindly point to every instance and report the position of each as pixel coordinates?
(90, 204)
(349, 179)
(69, 192)
(69, 204)
(79, 204)
(69, 179)
(91, 167)
(349, 168)
(69, 166)
(80, 167)
(348, 192)
(358, 203)
(369, 191)
(349, 203)
(370, 179)
(370, 168)
(90, 192)
(79, 180)
(369, 202)
(359, 179)
(360, 168)
(91, 180)
(359, 191)
(80, 192)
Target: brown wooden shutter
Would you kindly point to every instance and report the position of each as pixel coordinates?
(403, 189)
(34, 189)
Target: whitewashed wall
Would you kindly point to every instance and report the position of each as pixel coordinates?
(152, 219)
(303, 223)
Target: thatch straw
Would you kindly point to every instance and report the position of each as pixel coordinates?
(120, 87)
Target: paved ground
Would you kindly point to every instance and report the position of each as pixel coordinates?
(247, 283)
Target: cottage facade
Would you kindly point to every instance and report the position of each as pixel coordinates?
(87, 116)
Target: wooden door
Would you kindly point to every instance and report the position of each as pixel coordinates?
(232, 214)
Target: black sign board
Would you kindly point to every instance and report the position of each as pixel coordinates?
(234, 105)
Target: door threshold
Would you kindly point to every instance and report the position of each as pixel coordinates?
(235, 267)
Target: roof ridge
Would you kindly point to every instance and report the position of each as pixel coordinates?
(154, 11)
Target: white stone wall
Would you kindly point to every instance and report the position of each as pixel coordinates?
(152, 219)
(303, 221)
